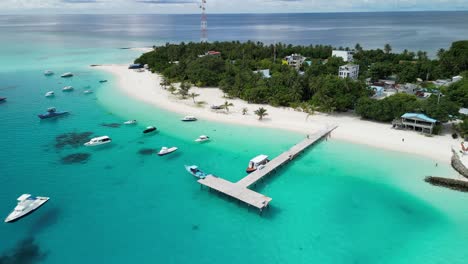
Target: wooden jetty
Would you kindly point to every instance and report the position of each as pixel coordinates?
(240, 190)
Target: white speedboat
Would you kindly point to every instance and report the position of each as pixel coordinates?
(189, 119)
(258, 162)
(202, 138)
(88, 92)
(165, 151)
(48, 73)
(67, 75)
(26, 205)
(98, 141)
(50, 94)
(130, 122)
(67, 88)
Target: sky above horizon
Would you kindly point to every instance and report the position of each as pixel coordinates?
(222, 6)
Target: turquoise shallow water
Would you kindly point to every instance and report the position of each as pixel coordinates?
(338, 203)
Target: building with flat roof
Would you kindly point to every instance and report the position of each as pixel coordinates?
(294, 60)
(349, 71)
(346, 55)
(265, 73)
(418, 122)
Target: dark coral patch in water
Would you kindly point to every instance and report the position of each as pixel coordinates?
(25, 252)
(111, 125)
(146, 151)
(195, 227)
(72, 139)
(76, 158)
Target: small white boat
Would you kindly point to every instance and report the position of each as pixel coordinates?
(189, 119)
(258, 162)
(48, 73)
(165, 151)
(67, 75)
(26, 205)
(67, 88)
(50, 94)
(196, 172)
(98, 141)
(202, 138)
(130, 122)
(88, 91)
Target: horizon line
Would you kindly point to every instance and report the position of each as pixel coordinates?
(242, 13)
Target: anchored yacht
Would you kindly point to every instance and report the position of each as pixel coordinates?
(26, 205)
(98, 141)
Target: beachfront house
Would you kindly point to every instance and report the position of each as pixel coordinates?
(346, 55)
(294, 60)
(349, 71)
(265, 73)
(418, 122)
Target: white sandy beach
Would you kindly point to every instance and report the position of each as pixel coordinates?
(145, 86)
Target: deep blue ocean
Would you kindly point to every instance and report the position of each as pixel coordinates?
(338, 203)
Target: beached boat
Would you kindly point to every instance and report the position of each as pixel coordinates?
(67, 88)
(149, 129)
(50, 94)
(202, 138)
(67, 75)
(130, 122)
(258, 162)
(26, 205)
(52, 112)
(189, 119)
(88, 92)
(195, 171)
(97, 141)
(103, 81)
(165, 151)
(217, 107)
(48, 73)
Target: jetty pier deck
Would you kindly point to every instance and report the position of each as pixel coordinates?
(240, 190)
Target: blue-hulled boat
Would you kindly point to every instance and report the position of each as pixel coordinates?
(51, 112)
(195, 171)
(2, 99)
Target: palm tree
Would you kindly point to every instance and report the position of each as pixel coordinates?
(440, 52)
(387, 48)
(172, 89)
(193, 95)
(244, 110)
(164, 83)
(184, 89)
(358, 47)
(226, 105)
(261, 112)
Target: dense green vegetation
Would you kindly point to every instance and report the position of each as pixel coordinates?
(315, 84)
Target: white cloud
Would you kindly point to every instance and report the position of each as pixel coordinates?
(223, 6)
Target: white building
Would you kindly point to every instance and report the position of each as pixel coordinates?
(456, 78)
(349, 71)
(347, 56)
(295, 60)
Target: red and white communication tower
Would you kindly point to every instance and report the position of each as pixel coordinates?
(204, 22)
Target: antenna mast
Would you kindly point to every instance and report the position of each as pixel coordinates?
(204, 23)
